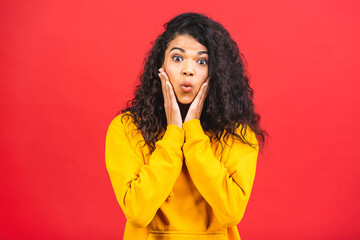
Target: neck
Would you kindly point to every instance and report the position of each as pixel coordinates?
(183, 109)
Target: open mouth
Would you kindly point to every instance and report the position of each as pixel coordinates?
(186, 86)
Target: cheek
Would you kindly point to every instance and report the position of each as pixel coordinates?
(170, 71)
(204, 72)
(204, 76)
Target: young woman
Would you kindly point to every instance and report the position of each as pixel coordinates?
(182, 155)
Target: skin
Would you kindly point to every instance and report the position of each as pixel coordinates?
(186, 61)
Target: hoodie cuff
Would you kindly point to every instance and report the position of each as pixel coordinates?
(174, 134)
(193, 129)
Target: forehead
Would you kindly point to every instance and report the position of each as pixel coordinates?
(186, 42)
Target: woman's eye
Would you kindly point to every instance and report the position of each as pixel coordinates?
(177, 58)
(202, 62)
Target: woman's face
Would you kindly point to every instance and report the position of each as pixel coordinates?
(186, 64)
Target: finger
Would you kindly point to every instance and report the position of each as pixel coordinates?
(205, 88)
(200, 95)
(161, 80)
(165, 75)
(163, 85)
(200, 99)
(165, 91)
(171, 93)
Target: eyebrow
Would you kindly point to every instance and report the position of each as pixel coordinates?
(182, 50)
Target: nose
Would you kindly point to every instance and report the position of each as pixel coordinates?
(187, 73)
(188, 70)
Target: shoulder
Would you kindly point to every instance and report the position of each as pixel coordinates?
(123, 121)
(122, 130)
(122, 125)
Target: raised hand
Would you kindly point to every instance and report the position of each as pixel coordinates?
(172, 110)
(196, 106)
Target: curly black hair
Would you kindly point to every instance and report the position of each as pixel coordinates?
(229, 103)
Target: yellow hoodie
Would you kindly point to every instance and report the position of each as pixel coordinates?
(188, 188)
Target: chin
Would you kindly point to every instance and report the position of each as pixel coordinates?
(185, 100)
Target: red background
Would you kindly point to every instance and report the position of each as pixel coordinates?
(68, 66)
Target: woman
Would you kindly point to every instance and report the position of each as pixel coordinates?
(182, 155)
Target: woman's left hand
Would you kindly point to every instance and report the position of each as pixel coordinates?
(196, 106)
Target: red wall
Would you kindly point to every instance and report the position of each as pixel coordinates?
(68, 66)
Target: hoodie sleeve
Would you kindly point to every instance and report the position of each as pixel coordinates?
(225, 186)
(141, 188)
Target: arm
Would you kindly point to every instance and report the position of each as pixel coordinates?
(225, 186)
(142, 188)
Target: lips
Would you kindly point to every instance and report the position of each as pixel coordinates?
(186, 86)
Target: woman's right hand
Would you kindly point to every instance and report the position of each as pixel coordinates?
(173, 114)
